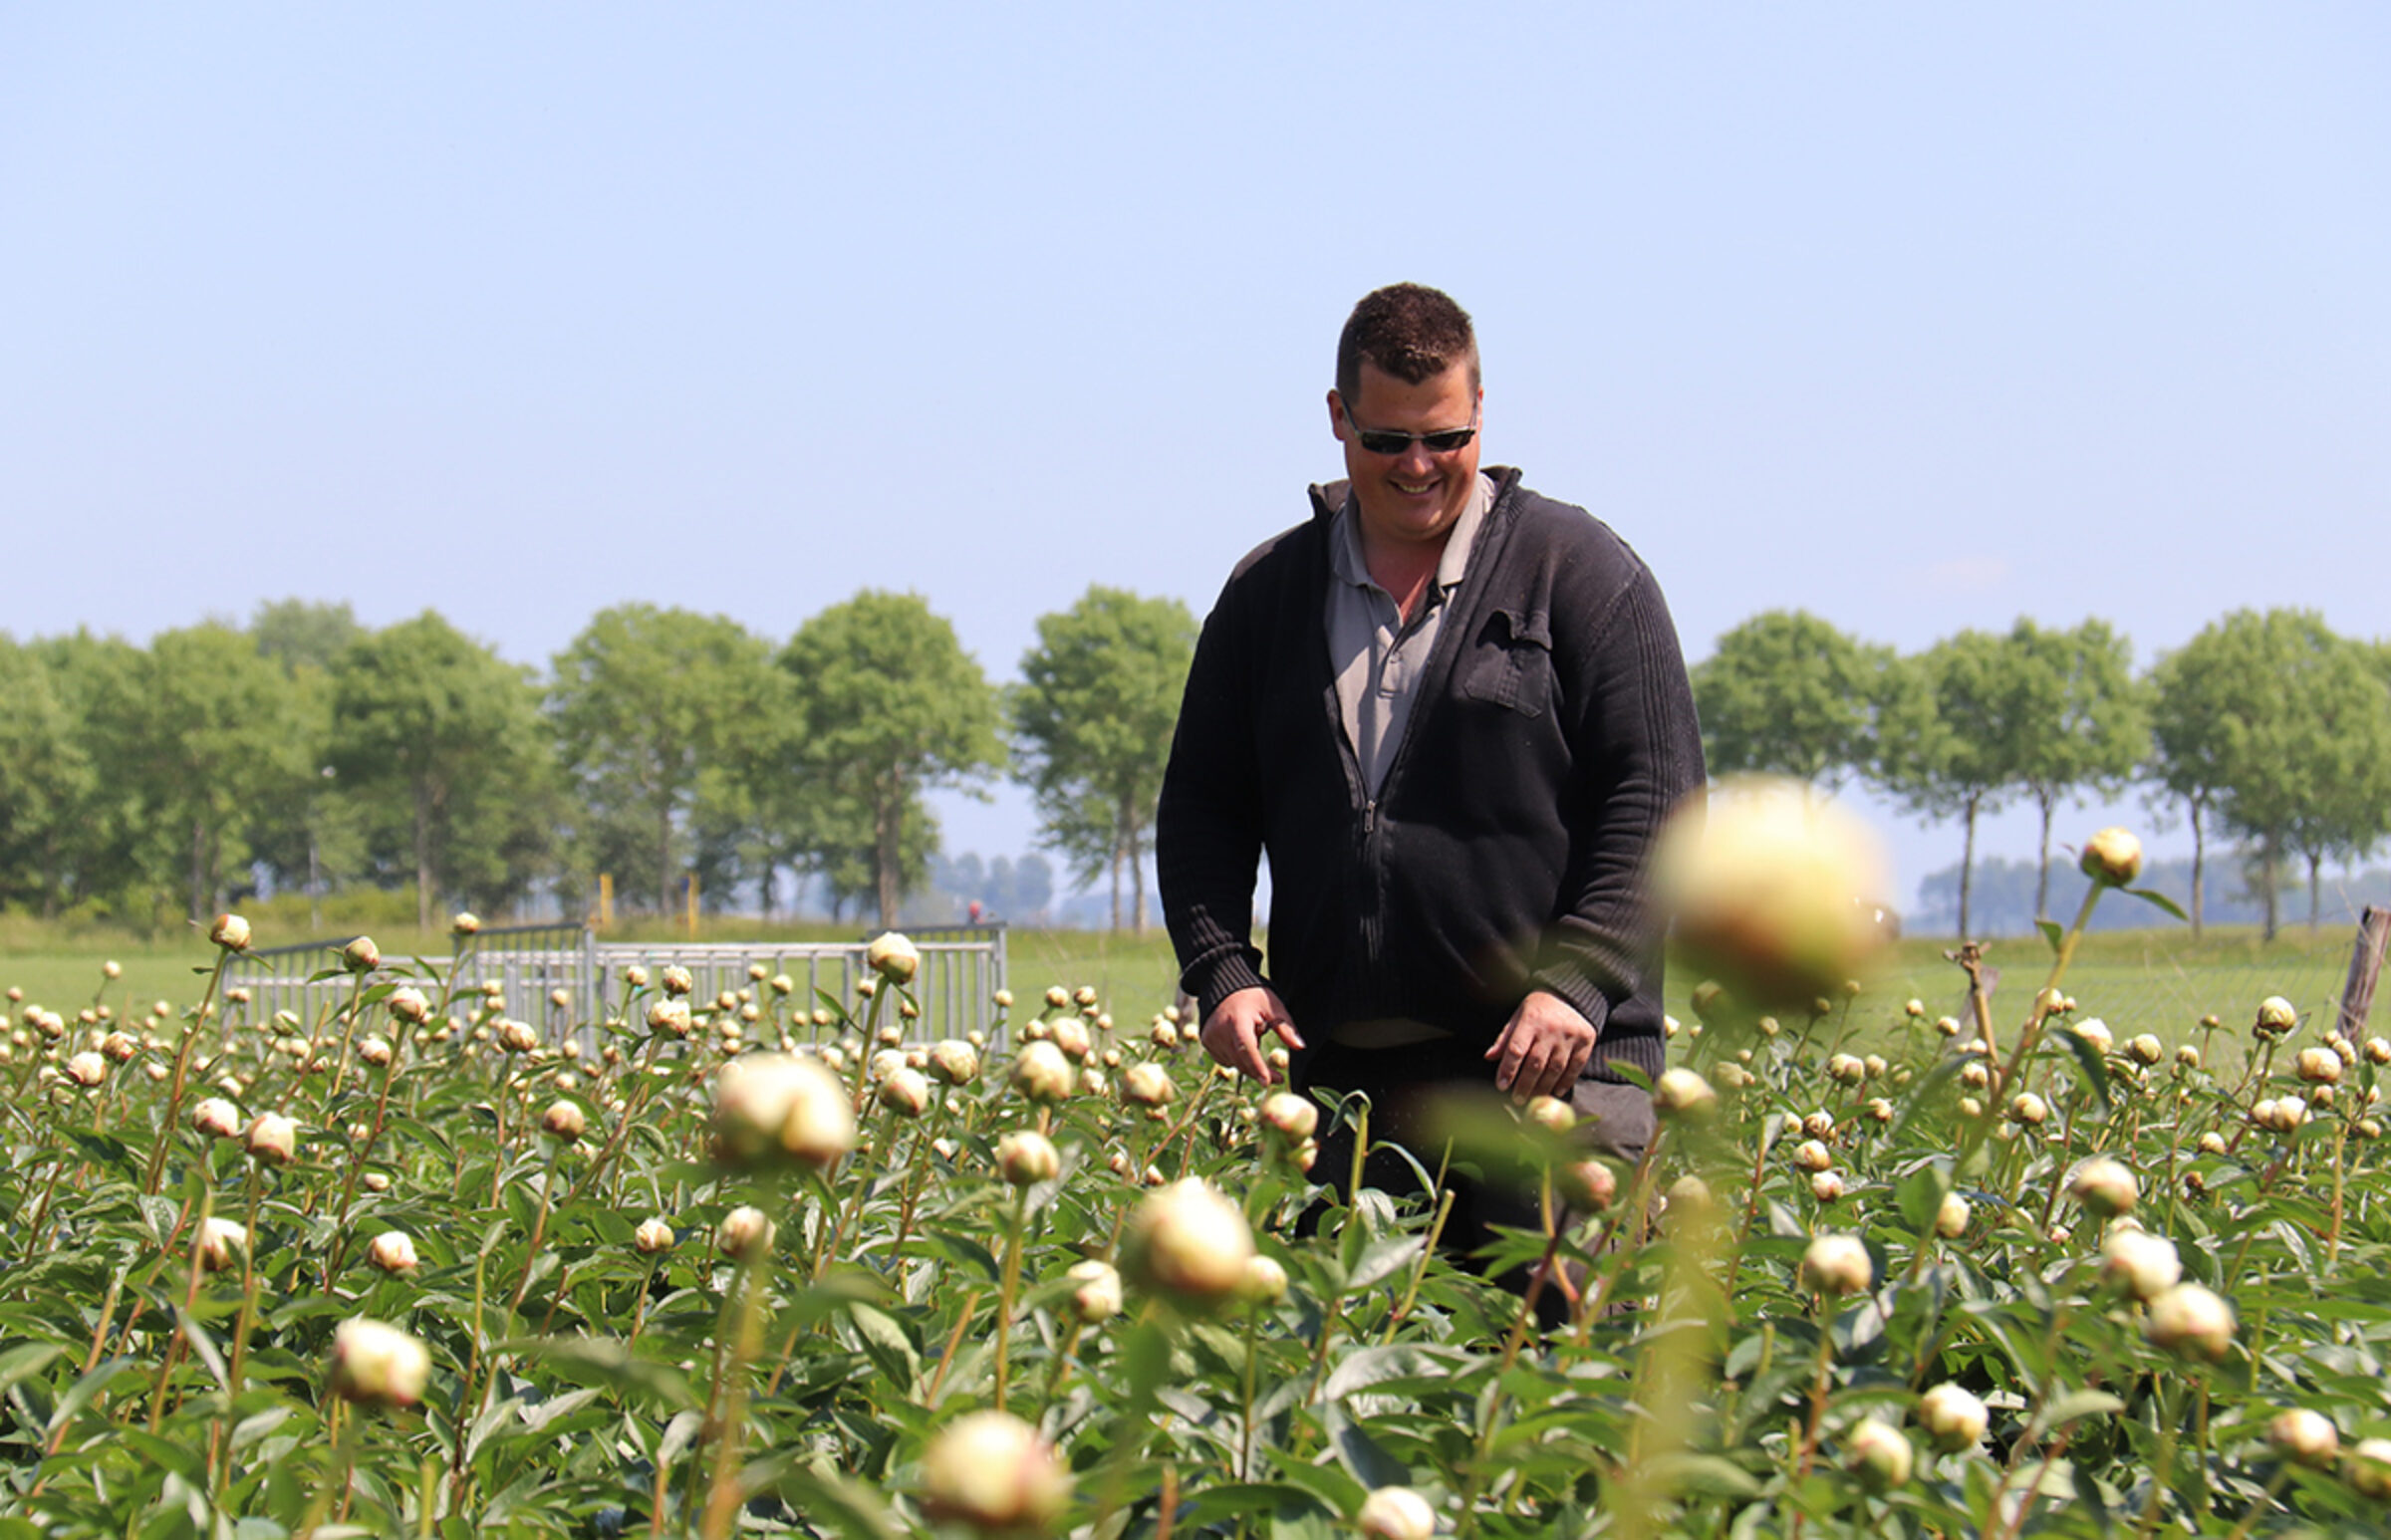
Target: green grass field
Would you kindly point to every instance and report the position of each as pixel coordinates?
(2137, 981)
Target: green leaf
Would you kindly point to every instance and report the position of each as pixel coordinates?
(2149, 896)
(2053, 933)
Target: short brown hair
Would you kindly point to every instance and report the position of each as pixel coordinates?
(1411, 331)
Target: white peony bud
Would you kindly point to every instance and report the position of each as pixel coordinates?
(2191, 1321)
(1837, 1264)
(989, 1471)
(377, 1365)
(393, 1252)
(893, 957)
(1952, 1417)
(1190, 1242)
(1396, 1513)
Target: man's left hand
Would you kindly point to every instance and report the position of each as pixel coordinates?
(1543, 1049)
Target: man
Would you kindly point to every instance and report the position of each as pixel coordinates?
(1455, 714)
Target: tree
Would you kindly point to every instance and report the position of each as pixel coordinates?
(1946, 746)
(298, 634)
(2073, 718)
(888, 704)
(1092, 722)
(425, 711)
(217, 734)
(44, 778)
(652, 709)
(1787, 693)
(2289, 726)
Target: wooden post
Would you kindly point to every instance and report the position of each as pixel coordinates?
(2366, 967)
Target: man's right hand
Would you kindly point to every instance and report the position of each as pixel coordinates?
(1232, 1032)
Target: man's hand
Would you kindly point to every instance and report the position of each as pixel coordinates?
(1232, 1032)
(1543, 1049)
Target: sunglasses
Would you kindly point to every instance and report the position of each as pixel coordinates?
(1385, 442)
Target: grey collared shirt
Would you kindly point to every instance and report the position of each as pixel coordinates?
(1376, 654)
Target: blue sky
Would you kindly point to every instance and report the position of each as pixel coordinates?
(1920, 318)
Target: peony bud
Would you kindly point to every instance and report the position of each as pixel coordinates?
(1772, 889)
(1877, 1453)
(1025, 1157)
(86, 1069)
(1812, 1155)
(1952, 1416)
(2191, 1321)
(1837, 1264)
(2095, 1033)
(2028, 1109)
(1265, 1283)
(216, 1243)
(905, 1092)
(216, 1118)
(989, 1471)
(773, 1108)
(1292, 1118)
(1041, 1073)
(2145, 1048)
(893, 957)
(1147, 1084)
(393, 1252)
(653, 1237)
(1396, 1513)
(272, 1139)
(565, 1122)
(1951, 1220)
(466, 922)
(360, 955)
(2277, 1016)
(231, 933)
(2308, 1437)
(2368, 1468)
(407, 1002)
(1681, 1093)
(2112, 858)
(2105, 1187)
(1098, 1297)
(744, 1232)
(954, 1062)
(376, 1365)
(2317, 1066)
(2141, 1264)
(1589, 1186)
(376, 1052)
(1190, 1242)
(1827, 1186)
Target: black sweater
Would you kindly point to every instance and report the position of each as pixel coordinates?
(1505, 850)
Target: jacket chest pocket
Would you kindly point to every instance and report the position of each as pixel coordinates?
(1510, 663)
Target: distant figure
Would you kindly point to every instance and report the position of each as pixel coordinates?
(974, 910)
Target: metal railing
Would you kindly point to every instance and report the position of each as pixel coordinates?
(962, 967)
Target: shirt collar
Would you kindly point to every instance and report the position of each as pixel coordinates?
(1345, 546)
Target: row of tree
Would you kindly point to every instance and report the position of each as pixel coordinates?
(2265, 727)
(659, 744)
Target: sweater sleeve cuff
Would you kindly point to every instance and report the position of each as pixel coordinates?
(1582, 993)
(1217, 978)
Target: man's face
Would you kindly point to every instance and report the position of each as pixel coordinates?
(1416, 496)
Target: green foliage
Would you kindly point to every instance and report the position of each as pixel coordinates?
(887, 704)
(1787, 694)
(1092, 721)
(659, 716)
(435, 726)
(580, 1382)
(2287, 729)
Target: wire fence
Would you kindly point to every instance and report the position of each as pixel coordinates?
(561, 977)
